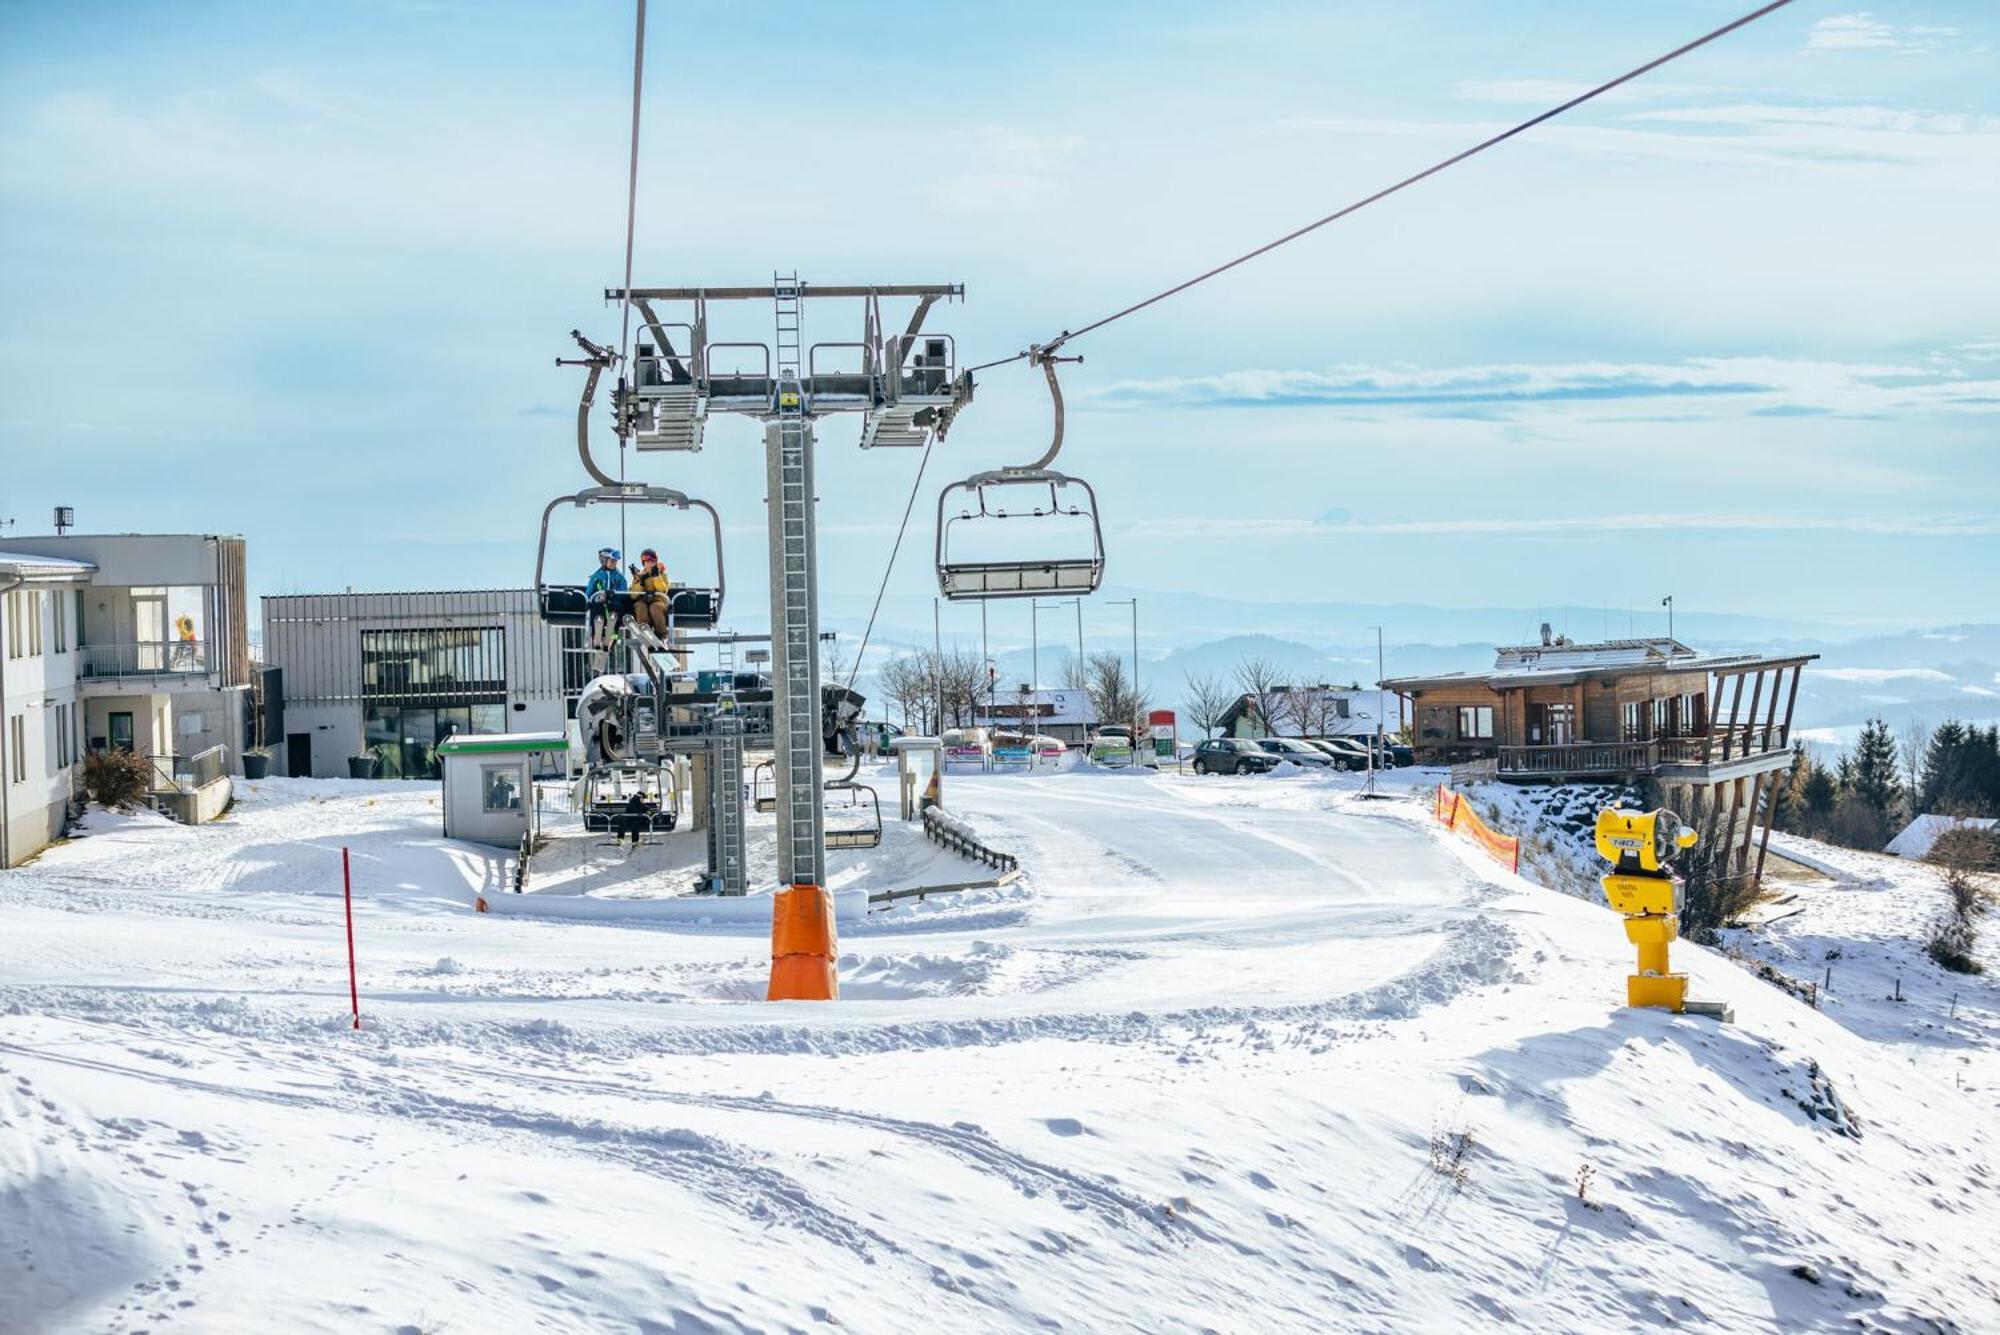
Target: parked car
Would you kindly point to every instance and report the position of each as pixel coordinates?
(1345, 752)
(1232, 755)
(1296, 751)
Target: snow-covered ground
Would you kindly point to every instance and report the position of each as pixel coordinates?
(1236, 1054)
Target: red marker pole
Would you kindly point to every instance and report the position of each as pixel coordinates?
(347, 893)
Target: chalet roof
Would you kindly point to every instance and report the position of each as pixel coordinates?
(31, 566)
(1601, 653)
(1567, 673)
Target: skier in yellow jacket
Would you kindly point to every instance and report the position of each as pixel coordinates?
(650, 591)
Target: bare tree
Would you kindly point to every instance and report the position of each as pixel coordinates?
(907, 680)
(1258, 678)
(832, 663)
(1309, 709)
(961, 685)
(1912, 745)
(1074, 673)
(1206, 702)
(1110, 690)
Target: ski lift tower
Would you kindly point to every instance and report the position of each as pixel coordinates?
(906, 388)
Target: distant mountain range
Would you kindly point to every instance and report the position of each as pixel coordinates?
(1904, 676)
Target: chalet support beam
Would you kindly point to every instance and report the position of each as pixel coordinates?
(1756, 698)
(1771, 714)
(1750, 823)
(1735, 708)
(1770, 815)
(1798, 670)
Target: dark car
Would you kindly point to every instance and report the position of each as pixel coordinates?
(1232, 755)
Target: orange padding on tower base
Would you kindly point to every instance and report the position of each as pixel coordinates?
(804, 946)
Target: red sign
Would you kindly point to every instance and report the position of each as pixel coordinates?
(1161, 718)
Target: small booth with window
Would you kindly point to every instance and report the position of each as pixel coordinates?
(489, 783)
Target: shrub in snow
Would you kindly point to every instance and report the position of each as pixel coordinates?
(117, 778)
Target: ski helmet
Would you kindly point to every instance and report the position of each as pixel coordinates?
(603, 552)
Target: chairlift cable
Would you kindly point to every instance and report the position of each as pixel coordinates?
(889, 569)
(1384, 193)
(631, 220)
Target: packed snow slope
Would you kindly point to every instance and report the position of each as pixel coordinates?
(1237, 1055)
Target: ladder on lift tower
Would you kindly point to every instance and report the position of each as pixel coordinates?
(794, 658)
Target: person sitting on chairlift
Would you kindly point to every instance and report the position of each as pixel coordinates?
(605, 582)
(652, 592)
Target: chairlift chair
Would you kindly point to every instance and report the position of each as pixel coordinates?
(855, 836)
(983, 506)
(764, 786)
(688, 608)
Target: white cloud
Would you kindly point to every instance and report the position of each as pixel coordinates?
(1865, 32)
(1878, 676)
(1749, 386)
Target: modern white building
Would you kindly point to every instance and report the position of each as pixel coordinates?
(165, 662)
(388, 676)
(154, 659)
(41, 721)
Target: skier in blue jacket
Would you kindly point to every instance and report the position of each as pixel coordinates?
(604, 582)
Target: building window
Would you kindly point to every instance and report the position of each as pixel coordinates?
(405, 737)
(59, 617)
(1475, 723)
(14, 624)
(1690, 720)
(62, 738)
(17, 745)
(1631, 725)
(462, 664)
(500, 787)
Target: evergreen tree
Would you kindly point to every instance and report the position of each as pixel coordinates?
(1873, 775)
(1961, 771)
(1819, 792)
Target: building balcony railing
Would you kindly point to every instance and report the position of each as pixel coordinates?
(146, 658)
(1718, 747)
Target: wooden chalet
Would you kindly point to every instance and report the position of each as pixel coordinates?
(1713, 732)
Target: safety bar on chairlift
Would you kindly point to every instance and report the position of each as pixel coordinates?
(707, 379)
(692, 358)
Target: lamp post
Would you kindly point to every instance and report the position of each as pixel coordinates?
(1368, 790)
(1668, 603)
(1133, 603)
(1035, 605)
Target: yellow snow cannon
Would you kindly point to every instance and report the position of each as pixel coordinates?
(1640, 845)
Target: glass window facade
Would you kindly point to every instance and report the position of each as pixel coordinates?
(420, 686)
(461, 664)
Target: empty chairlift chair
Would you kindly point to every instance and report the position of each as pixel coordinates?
(669, 403)
(987, 508)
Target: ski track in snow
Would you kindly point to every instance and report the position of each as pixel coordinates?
(1190, 1074)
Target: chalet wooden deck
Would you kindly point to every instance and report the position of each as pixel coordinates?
(1712, 733)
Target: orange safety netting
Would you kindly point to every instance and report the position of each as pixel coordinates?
(1455, 813)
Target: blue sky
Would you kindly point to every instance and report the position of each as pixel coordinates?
(299, 271)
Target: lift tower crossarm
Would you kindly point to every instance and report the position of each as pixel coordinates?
(806, 292)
